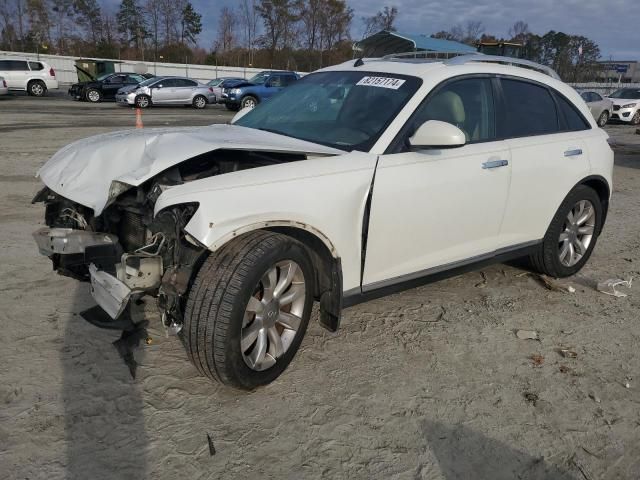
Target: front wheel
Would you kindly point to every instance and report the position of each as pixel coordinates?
(249, 102)
(248, 309)
(572, 235)
(142, 101)
(635, 120)
(603, 119)
(93, 95)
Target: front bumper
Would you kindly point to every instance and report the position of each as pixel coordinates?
(623, 114)
(125, 98)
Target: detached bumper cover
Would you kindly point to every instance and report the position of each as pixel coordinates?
(110, 293)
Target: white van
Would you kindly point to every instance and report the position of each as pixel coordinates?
(34, 77)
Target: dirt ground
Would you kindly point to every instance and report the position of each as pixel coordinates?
(428, 384)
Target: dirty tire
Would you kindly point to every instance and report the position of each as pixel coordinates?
(603, 119)
(93, 95)
(249, 101)
(142, 101)
(37, 88)
(217, 301)
(199, 102)
(546, 259)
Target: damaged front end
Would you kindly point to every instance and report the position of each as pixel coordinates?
(126, 252)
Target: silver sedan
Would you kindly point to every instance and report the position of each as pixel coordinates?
(166, 91)
(600, 107)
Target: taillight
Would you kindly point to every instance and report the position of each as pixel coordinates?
(4, 82)
(52, 72)
(211, 89)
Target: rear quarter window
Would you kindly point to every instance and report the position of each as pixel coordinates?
(36, 66)
(529, 109)
(571, 119)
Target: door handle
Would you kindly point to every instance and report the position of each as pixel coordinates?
(573, 153)
(495, 164)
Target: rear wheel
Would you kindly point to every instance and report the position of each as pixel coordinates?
(603, 119)
(248, 309)
(37, 88)
(142, 101)
(572, 235)
(199, 102)
(93, 95)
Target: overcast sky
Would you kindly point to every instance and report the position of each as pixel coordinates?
(612, 24)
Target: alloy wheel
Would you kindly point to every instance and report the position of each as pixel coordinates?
(577, 234)
(93, 96)
(37, 89)
(273, 315)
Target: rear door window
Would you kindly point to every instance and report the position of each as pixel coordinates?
(529, 109)
(13, 65)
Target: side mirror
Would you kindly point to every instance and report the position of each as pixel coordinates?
(240, 114)
(437, 134)
(157, 86)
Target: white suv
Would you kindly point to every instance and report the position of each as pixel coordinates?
(360, 180)
(34, 77)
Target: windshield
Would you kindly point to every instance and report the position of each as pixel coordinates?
(626, 93)
(103, 76)
(259, 79)
(345, 110)
(216, 82)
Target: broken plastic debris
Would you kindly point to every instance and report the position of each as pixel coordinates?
(531, 397)
(594, 397)
(568, 353)
(608, 287)
(527, 335)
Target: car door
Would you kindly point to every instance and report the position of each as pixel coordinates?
(164, 92)
(185, 89)
(18, 74)
(433, 208)
(112, 84)
(547, 137)
(273, 85)
(599, 104)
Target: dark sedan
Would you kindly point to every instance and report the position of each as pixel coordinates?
(104, 87)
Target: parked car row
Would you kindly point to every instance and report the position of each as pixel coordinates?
(145, 90)
(622, 105)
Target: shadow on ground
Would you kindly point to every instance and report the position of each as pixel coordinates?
(104, 424)
(464, 454)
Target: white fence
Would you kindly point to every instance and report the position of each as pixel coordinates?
(603, 88)
(66, 72)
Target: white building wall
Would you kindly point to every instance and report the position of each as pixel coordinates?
(66, 72)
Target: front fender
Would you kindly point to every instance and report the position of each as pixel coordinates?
(324, 196)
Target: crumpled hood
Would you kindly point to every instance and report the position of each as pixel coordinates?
(83, 171)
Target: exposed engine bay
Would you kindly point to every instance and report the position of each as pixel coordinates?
(126, 251)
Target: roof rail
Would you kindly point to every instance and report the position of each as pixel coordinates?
(516, 62)
(424, 55)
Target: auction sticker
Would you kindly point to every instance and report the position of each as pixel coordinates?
(383, 82)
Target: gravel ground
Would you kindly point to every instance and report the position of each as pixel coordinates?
(428, 384)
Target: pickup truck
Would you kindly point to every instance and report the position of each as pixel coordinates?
(248, 93)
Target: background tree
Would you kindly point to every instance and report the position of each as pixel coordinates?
(132, 25)
(191, 23)
(383, 20)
